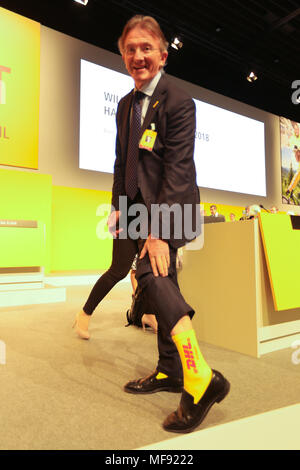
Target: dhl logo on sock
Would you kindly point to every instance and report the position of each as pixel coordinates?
(189, 355)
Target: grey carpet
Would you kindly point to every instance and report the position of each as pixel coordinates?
(60, 392)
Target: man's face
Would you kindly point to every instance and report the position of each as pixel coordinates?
(142, 55)
(213, 210)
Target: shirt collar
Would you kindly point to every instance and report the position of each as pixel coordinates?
(149, 87)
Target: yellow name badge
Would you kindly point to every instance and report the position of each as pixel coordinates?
(148, 139)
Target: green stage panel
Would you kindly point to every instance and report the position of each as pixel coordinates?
(76, 216)
(281, 245)
(24, 196)
(22, 243)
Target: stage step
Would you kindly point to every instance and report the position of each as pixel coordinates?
(44, 295)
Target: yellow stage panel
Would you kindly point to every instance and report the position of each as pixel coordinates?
(282, 250)
(19, 90)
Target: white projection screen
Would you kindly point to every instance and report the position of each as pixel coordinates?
(229, 147)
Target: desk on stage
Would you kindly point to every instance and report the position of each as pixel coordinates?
(237, 285)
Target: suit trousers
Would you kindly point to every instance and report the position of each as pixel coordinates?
(165, 300)
(162, 295)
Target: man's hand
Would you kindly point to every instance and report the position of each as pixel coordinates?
(159, 255)
(112, 223)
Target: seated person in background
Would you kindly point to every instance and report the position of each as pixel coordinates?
(232, 217)
(274, 210)
(214, 212)
(246, 214)
(252, 211)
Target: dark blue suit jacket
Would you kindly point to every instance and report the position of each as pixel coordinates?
(166, 175)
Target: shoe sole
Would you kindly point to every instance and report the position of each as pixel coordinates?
(148, 392)
(218, 399)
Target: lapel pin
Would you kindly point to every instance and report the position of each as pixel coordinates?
(155, 104)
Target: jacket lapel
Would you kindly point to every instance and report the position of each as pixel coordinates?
(155, 102)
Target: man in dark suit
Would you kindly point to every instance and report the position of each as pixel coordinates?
(214, 213)
(154, 167)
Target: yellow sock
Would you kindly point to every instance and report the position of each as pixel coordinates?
(196, 372)
(161, 375)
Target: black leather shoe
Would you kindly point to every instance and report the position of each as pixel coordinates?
(151, 384)
(188, 416)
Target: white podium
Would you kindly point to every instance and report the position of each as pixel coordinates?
(227, 283)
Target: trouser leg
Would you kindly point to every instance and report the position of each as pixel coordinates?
(124, 251)
(168, 358)
(168, 304)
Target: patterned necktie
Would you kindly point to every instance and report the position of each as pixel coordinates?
(131, 179)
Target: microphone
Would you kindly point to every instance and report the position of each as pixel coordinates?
(262, 207)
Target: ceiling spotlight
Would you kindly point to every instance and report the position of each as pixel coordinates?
(251, 77)
(83, 2)
(176, 43)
